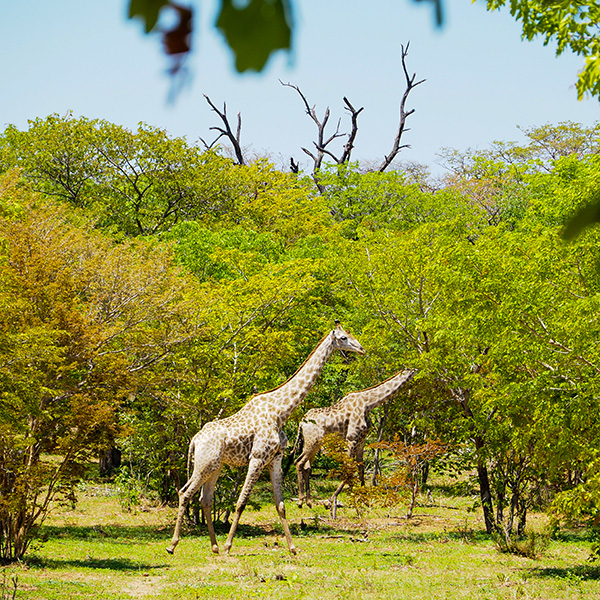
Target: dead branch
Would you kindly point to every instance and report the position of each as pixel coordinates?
(404, 114)
(350, 143)
(322, 143)
(234, 139)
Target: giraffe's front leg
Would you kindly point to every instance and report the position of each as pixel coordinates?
(300, 484)
(303, 470)
(254, 469)
(356, 450)
(356, 438)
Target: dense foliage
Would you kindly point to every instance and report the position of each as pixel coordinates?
(147, 287)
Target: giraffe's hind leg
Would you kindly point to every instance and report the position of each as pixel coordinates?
(185, 494)
(208, 492)
(277, 480)
(208, 470)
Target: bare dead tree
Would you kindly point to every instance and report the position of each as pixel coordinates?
(404, 114)
(227, 132)
(322, 143)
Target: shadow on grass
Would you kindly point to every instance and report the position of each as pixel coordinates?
(318, 528)
(133, 534)
(111, 564)
(574, 535)
(577, 573)
(140, 533)
(453, 490)
(443, 536)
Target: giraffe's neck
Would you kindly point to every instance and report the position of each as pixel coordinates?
(292, 392)
(378, 395)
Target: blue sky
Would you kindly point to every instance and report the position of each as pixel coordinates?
(482, 81)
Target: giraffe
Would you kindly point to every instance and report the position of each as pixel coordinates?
(254, 436)
(350, 418)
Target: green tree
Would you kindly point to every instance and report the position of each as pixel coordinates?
(57, 155)
(493, 314)
(82, 320)
(140, 182)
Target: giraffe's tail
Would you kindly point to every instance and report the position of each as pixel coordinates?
(298, 444)
(191, 450)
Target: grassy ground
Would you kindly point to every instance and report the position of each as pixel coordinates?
(99, 550)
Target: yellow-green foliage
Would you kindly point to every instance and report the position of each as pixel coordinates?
(147, 286)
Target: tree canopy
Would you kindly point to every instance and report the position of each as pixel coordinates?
(148, 286)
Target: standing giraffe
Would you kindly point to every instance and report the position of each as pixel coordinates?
(350, 418)
(254, 436)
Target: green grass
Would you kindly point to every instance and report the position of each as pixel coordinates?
(100, 551)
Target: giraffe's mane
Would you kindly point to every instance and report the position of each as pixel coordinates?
(297, 370)
(397, 374)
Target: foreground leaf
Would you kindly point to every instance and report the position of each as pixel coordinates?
(255, 31)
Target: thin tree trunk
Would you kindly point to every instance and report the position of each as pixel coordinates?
(484, 490)
(485, 493)
(233, 495)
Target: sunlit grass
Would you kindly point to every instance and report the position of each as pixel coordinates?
(98, 550)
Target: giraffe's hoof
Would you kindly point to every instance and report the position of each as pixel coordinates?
(170, 550)
(215, 549)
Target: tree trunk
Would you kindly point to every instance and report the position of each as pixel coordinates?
(414, 491)
(109, 461)
(424, 473)
(522, 516)
(485, 492)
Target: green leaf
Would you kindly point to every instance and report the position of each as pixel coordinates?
(586, 215)
(255, 31)
(147, 11)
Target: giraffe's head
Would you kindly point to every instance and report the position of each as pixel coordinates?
(344, 341)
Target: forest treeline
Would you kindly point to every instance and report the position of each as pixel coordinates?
(148, 286)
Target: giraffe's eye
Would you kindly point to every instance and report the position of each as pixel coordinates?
(344, 338)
